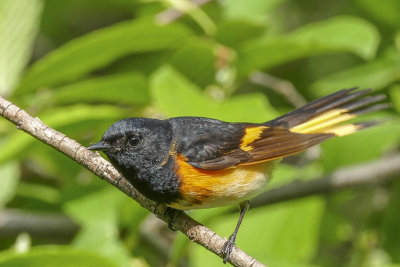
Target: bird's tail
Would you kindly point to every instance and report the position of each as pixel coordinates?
(330, 114)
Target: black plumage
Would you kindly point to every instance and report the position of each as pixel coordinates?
(187, 161)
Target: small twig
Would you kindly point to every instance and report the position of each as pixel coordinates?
(195, 231)
(282, 87)
(172, 14)
(50, 226)
(358, 175)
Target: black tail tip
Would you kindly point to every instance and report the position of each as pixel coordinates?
(373, 123)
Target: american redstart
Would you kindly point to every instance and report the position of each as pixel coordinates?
(193, 162)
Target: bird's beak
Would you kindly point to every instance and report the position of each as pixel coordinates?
(100, 146)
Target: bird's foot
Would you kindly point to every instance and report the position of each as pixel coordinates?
(171, 214)
(228, 247)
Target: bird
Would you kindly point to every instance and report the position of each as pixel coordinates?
(195, 162)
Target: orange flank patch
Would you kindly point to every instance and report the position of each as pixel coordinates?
(212, 188)
(251, 134)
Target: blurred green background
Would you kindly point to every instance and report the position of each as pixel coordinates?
(80, 65)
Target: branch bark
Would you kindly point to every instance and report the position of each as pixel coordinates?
(195, 231)
(357, 175)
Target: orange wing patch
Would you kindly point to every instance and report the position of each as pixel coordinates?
(212, 188)
(251, 134)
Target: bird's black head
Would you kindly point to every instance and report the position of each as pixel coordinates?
(136, 145)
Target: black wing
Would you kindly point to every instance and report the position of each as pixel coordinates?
(213, 144)
(200, 140)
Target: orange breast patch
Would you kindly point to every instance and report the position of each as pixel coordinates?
(212, 188)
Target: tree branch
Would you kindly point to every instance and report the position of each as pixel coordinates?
(357, 175)
(50, 226)
(282, 87)
(195, 231)
(172, 14)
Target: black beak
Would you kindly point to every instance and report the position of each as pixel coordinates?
(99, 146)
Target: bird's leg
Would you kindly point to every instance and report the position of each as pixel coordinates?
(228, 246)
(169, 213)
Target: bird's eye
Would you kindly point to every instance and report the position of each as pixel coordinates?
(134, 140)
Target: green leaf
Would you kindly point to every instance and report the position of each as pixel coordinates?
(340, 34)
(395, 96)
(40, 192)
(250, 10)
(61, 117)
(9, 178)
(97, 215)
(19, 23)
(49, 256)
(233, 33)
(386, 11)
(377, 74)
(127, 88)
(286, 234)
(391, 221)
(176, 96)
(97, 49)
(145, 63)
(200, 56)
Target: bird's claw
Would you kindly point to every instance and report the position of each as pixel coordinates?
(171, 225)
(227, 249)
(170, 213)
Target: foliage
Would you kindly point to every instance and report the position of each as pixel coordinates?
(80, 66)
